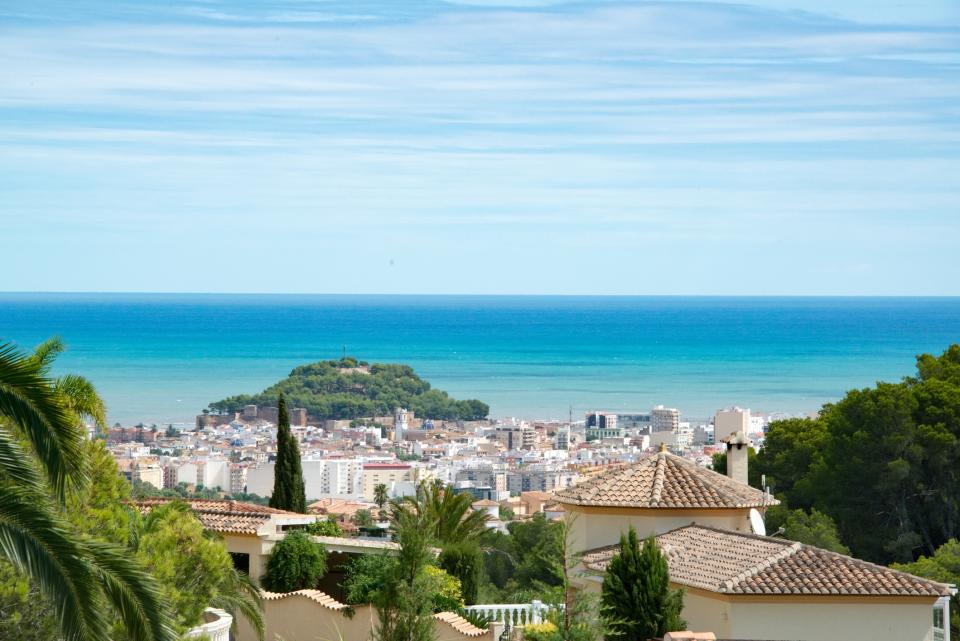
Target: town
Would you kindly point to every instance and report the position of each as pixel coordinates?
(507, 461)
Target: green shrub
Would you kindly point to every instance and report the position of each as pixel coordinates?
(545, 631)
(296, 563)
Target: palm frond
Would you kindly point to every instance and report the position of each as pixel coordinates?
(133, 593)
(39, 544)
(45, 353)
(80, 396)
(16, 464)
(28, 400)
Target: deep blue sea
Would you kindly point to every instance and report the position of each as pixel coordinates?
(162, 357)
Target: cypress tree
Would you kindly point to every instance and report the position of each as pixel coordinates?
(288, 489)
(637, 602)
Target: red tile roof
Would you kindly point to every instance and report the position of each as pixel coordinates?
(736, 563)
(225, 516)
(664, 480)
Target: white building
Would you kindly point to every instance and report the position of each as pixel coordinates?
(730, 421)
(322, 478)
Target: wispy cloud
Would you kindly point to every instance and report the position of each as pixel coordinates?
(530, 127)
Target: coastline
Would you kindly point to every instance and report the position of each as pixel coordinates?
(159, 358)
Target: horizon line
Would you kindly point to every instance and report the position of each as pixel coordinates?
(458, 295)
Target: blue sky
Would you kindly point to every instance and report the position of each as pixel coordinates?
(778, 147)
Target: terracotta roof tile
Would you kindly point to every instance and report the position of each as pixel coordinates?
(737, 563)
(459, 624)
(316, 596)
(664, 480)
(224, 516)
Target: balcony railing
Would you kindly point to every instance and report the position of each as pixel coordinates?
(216, 627)
(513, 614)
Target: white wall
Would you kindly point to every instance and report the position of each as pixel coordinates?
(833, 621)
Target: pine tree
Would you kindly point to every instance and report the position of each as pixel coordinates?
(288, 489)
(637, 602)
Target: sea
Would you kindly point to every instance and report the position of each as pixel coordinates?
(161, 358)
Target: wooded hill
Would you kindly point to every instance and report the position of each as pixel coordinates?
(348, 389)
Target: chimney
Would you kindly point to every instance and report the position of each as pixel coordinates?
(738, 448)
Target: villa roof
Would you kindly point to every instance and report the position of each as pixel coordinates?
(234, 517)
(736, 563)
(664, 480)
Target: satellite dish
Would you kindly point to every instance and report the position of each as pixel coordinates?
(756, 522)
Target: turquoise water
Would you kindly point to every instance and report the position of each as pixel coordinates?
(161, 358)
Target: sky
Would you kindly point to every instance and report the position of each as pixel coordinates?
(787, 147)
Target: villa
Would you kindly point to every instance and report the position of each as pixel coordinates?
(739, 583)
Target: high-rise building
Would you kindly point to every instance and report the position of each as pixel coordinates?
(664, 419)
(563, 439)
(322, 478)
(517, 437)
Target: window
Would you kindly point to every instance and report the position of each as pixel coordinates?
(241, 561)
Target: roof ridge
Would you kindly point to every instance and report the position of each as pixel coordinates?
(746, 535)
(721, 483)
(659, 474)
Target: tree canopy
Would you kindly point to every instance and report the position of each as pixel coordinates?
(882, 462)
(350, 389)
(943, 566)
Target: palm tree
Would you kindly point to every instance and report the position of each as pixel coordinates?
(447, 514)
(380, 496)
(41, 460)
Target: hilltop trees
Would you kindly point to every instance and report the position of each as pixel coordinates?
(637, 602)
(288, 489)
(348, 389)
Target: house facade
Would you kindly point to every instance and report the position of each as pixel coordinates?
(739, 583)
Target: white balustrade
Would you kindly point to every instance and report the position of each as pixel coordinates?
(216, 628)
(512, 614)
